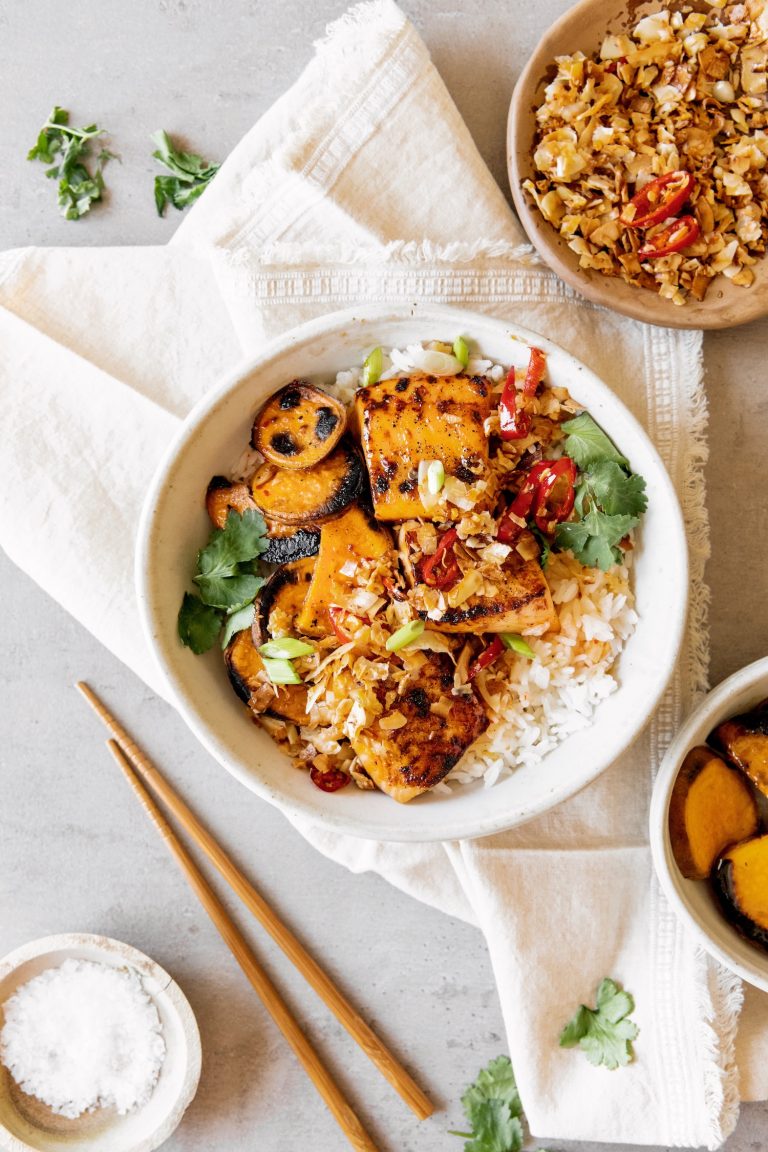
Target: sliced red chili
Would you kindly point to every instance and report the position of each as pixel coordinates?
(490, 653)
(336, 617)
(535, 372)
(509, 530)
(330, 781)
(514, 421)
(441, 569)
(659, 199)
(678, 234)
(556, 494)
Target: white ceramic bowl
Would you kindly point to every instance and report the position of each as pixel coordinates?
(174, 526)
(693, 900)
(27, 1125)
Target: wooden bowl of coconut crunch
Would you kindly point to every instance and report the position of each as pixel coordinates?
(680, 111)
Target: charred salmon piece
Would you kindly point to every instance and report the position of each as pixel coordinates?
(520, 600)
(409, 419)
(408, 760)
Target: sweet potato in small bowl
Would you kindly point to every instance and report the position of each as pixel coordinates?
(712, 806)
(701, 800)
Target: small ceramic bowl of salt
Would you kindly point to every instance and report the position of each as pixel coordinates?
(99, 1049)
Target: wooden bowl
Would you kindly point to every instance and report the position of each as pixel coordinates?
(28, 1125)
(582, 28)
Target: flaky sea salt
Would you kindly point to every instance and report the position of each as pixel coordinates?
(83, 1036)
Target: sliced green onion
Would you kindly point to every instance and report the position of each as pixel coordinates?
(517, 644)
(237, 621)
(461, 351)
(405, 635)
(281, 672)
(435, 476)
(286, 648)
(372, 366)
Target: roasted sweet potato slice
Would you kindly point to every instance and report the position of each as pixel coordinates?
(741, 883)
(744, 740)
(286, 543)
(313, 494)
(250, 682)
(223, 496)
(350, 538)
(711, 807)
(298, 426)
(281, 599)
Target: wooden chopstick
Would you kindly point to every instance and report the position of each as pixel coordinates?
(370, 1043)
(345, 1117)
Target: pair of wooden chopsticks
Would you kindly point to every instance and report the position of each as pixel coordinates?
(137, 768)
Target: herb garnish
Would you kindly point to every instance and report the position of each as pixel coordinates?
(610, 499)
(604, 1033)
(80, 186)
(492, 1106)
(191, 175)
(227, 580)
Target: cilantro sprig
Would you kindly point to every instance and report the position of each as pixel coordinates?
(190, 174)
(610, 499)
(604, 1033)
(78, 171)
(227, 580)
(493, 1108)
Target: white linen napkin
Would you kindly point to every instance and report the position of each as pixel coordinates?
(362, 184)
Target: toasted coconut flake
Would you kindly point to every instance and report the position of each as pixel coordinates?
(392, 721)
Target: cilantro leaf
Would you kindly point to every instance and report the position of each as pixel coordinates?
(494, 1129)
(240, 540)
(587, 444)
(230, 592)
(198, 624)
(493, 1108)
(617, 493)
(227, 579)
(594, 540)
(80, 179)
(237, 621)
(604, 1033)
(190, 174)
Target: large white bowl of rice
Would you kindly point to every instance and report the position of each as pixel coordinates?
(567, 714)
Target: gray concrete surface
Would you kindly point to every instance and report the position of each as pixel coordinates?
(75, 851)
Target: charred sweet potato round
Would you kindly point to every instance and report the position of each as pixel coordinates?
(711, 807)
(744, 740)
(224, 496)
(281, 599)
(246, 675)
(741, 884)
(298, 426)
(319, 493)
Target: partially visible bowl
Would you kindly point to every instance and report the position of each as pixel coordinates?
(582, 28)
(693, 900)
(175, 525)
(28, 1125)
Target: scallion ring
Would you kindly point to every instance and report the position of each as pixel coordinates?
(461, 351)
(435, 476)
(281, 671)
(372, 366)
(405, 635)
(517, 644)
(286, 648)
